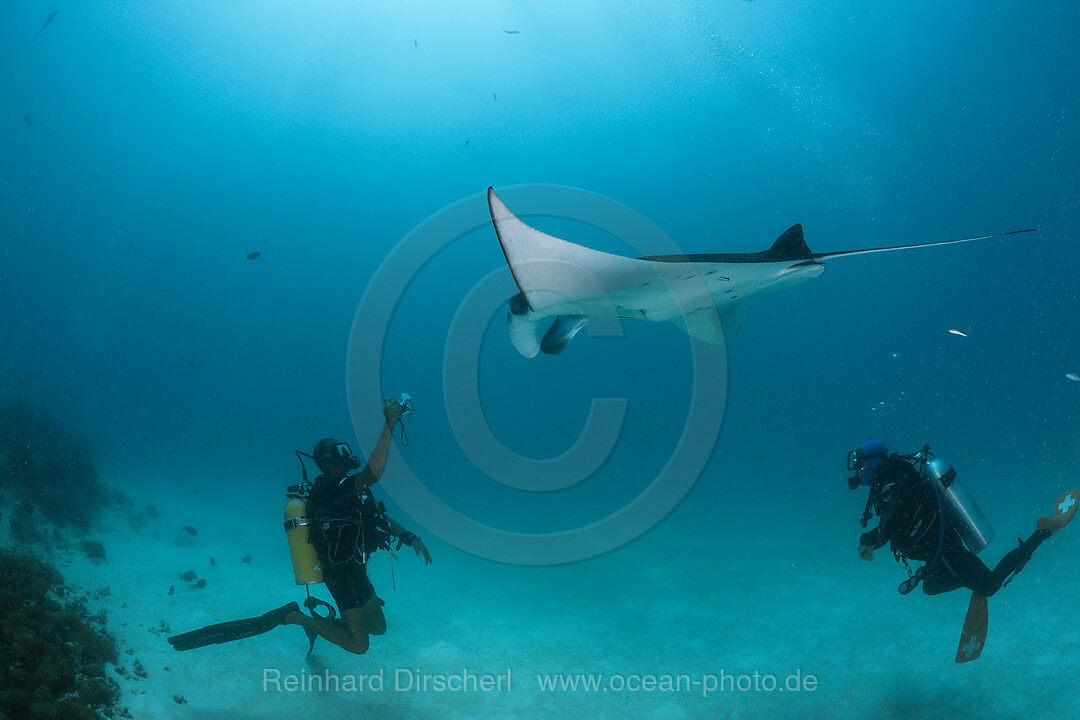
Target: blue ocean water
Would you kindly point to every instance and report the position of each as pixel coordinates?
(146, 149)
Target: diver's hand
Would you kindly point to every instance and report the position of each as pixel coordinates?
(421, 550)
(866, 553)
(392, 411)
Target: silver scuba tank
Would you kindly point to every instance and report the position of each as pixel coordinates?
(970, 522)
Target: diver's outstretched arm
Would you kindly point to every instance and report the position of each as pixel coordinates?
(377, 462)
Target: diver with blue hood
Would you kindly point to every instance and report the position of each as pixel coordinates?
(927, 517)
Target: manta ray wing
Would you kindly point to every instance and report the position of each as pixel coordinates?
(558, 277)
(575, 284)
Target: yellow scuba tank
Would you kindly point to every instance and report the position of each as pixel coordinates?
(305, 561)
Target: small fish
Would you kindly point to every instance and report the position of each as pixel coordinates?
(172, 589)
(48, 21)
(28, 120)
(254, 255)
(495, 96)
(1073, 376)
(190, 530)
(246, 559)
(213, 562)
(511, 32)
(191, 364)
(415, 43)
(188, 576)
(201, 583)
(958, 332)
(467, 143)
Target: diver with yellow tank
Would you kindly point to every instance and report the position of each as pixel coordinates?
(333, 526)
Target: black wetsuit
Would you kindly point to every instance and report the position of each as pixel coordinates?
(347, 527)
(912, 522)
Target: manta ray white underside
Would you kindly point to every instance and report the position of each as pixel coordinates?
(700, 294)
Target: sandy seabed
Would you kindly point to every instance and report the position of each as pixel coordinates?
(727, 621)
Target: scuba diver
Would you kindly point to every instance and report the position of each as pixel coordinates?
(334, 525)
(927, 517)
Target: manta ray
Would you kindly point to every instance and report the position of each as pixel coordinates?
(699, 294)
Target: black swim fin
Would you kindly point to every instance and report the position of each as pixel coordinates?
(233, 630)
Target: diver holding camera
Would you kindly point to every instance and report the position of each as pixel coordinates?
(334, 526)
